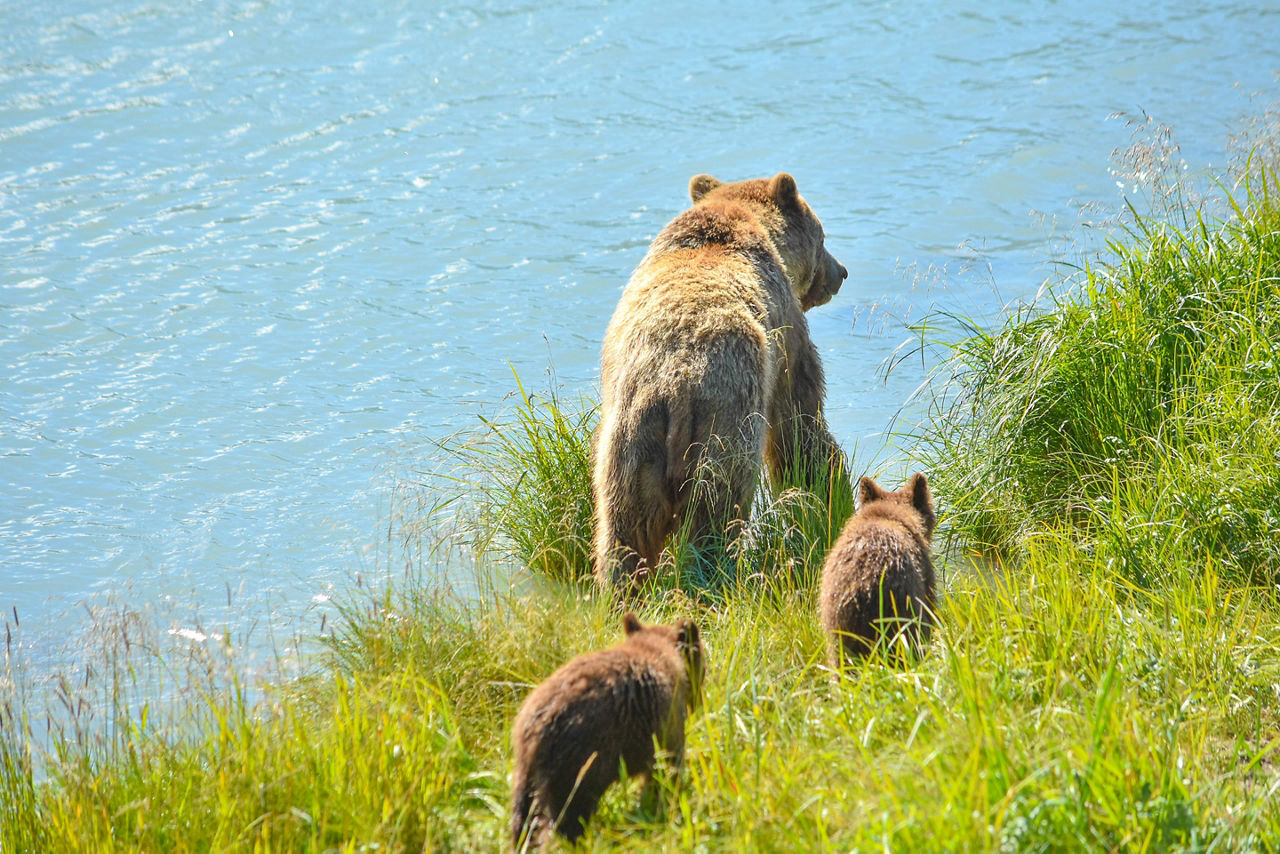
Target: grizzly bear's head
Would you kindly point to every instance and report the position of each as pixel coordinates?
(815, 274)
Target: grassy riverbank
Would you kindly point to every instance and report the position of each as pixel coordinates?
(1060, 706)
(1106, 677)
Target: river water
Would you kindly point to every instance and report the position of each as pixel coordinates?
(255, 257)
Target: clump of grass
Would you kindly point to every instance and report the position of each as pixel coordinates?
(1138, 408)
(525, 481)
(346, 758)
(378, 762)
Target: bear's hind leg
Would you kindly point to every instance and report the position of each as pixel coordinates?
(720, 492)
(634, 504)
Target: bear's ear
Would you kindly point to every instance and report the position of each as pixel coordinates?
(631, 624)
(868, 491)
(921, 498)
(700, 185)
(783, 189)
(687, 635)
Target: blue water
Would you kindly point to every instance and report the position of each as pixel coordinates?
(255, 257)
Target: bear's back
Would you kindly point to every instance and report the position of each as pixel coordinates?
(880, 566)
(603, 700)
(873, 544)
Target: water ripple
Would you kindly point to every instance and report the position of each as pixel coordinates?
(253, 251)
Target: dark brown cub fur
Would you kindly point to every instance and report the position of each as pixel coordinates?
(600, 713)
(878, 578)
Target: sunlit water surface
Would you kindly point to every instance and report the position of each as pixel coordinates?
(256, 257)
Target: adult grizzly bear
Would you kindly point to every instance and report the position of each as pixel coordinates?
(878, 578)
(708, 370)
(601, 712)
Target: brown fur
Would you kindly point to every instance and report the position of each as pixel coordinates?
(708, 371)
(880, 572)
(600, 712)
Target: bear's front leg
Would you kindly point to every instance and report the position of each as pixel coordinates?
(801, 450)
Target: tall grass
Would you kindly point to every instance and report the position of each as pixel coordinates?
(525, 478)
(1139, 407)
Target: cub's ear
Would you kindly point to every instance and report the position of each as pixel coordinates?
(868, 491)
(921, 498)
(783, 189)
(687, 635)
(631, 624)
(700, 185)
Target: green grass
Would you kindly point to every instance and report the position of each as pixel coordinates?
(1061, 707)
(528, 473)
(1141, 409)
(1106, 677)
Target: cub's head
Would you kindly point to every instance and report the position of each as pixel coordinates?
(684, 637)
(814, 273)
(914, 495)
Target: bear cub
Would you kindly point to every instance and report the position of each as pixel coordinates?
(601, 712)
(878, 578)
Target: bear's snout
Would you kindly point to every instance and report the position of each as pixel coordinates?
(835, 276)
